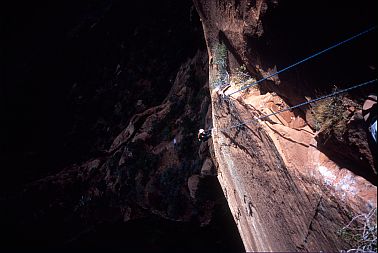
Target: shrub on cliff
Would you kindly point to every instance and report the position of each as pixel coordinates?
(220, 60)
(331, 116)
(361, 232)
(241, 78)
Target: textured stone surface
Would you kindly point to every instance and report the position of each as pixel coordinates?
(208, 168)
(143, 172)
(284, 191)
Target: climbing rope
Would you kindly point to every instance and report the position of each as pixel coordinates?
(304, 60)
(296, 106)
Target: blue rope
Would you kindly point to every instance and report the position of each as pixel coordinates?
(302, 104)
(305, 59)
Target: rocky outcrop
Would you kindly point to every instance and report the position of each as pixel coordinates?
(107, 97)
(151, 167)
(104, 100)
(285, 185)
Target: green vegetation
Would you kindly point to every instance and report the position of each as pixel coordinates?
(361, 232)
(329, 117)
(220, 55)
(220, 60)
(241, 78)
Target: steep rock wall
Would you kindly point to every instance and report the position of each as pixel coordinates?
(154, 168)
(104, 100)
(285, 194)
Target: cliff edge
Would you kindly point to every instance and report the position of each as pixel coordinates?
(286, 186)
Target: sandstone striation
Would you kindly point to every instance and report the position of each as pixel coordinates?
(286, 186)
(108, 97)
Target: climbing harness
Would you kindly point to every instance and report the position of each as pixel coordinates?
(295, 106)
(304, 60)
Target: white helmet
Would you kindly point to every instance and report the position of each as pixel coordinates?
(201, 131)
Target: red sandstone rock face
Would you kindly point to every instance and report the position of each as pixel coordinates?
(285, 192)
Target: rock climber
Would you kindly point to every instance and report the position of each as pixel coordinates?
(369, 112)
(204, 135)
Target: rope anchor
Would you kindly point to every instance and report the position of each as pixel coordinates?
(256, 119)
(205, 135)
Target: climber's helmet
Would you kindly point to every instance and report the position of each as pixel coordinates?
(203, 135)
